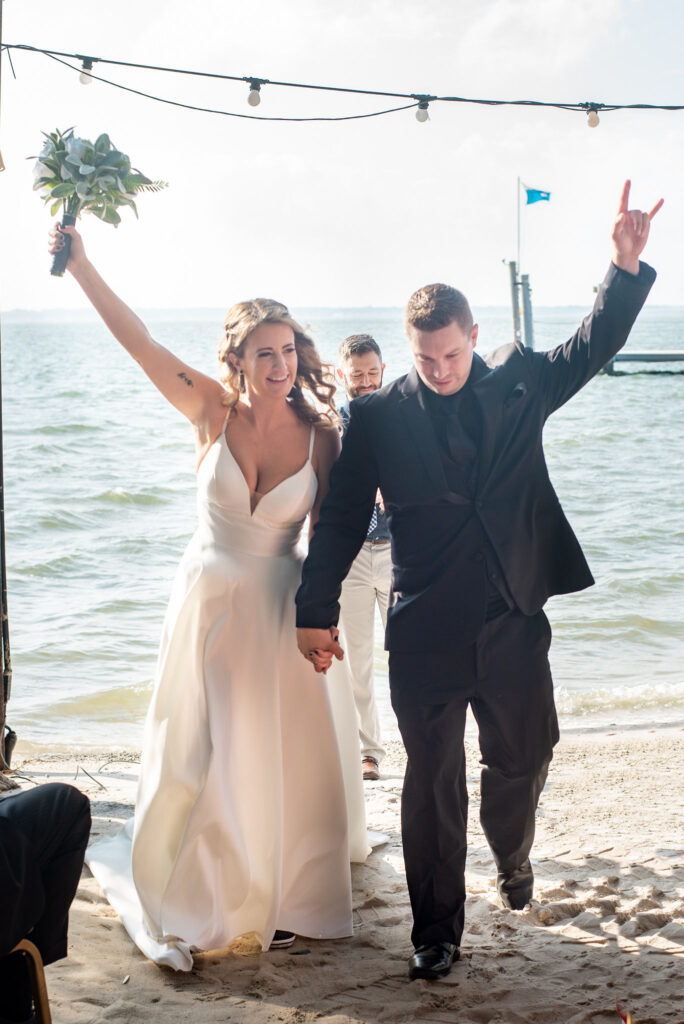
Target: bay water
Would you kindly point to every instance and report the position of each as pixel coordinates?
(100, 502)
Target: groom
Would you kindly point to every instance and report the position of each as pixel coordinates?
(479, 542)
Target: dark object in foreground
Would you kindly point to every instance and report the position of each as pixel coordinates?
(61, 258)
(43, 836)
(434, 961)
(515, 888)
(282, 940)
(10, 744)
(30, 978)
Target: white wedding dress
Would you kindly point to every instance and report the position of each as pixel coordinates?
(250, 802)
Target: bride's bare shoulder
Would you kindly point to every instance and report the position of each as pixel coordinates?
(327, 443)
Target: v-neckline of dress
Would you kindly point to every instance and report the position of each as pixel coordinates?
(250, 493)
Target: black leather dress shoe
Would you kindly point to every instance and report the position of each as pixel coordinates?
(433, 961)
(515, 887)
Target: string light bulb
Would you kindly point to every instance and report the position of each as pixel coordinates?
(86, 66)
(254, 97)
(422, 111)
(593, 118)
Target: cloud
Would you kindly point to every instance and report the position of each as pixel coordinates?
(553, 36)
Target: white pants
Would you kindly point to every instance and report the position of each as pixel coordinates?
(368, 583)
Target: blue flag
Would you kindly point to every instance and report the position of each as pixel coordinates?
(535, 195)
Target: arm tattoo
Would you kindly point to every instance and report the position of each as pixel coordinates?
(184, 376)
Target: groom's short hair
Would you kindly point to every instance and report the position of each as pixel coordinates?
(437, 305)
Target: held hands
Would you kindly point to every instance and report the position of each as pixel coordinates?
(319, 646)
(630, 232)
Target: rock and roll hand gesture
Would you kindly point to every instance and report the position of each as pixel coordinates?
(630, 232)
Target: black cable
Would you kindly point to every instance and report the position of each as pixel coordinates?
(224, 113)
(424, 98)
(210, 74)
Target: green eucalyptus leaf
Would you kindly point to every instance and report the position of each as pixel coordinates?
(82, 190)
(110, 216)
(102, 144)
(55, 208)
(87, 169)
(61, 191)
(136, 180)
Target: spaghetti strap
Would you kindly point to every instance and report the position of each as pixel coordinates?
(223, 428)
(221, 434)
(311, 442)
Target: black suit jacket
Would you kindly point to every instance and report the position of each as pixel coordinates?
(390, 443)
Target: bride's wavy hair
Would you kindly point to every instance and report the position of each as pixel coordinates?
(315, 379)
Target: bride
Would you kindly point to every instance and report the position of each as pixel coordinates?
(250, 800)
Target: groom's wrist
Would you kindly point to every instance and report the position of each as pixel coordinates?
(315, 618)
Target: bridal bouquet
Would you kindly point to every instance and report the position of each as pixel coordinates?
(78, 175)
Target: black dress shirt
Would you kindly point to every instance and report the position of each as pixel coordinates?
(457, 422)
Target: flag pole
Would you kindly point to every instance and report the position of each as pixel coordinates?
(518, 225)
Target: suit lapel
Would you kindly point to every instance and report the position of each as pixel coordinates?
(415, 416)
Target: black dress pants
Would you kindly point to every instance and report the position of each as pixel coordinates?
(44, 833)
(505, 677)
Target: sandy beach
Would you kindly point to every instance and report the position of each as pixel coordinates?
(607, 921)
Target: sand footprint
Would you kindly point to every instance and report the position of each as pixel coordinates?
(551, 913)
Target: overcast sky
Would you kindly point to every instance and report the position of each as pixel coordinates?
(362, 212)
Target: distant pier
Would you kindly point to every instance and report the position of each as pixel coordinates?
(666, 356)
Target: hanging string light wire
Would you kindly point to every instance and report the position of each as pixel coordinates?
(418, 100)
(204, 74)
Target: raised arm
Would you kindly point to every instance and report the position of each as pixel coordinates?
(194, 394)
(630, 232)
(562, 371)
